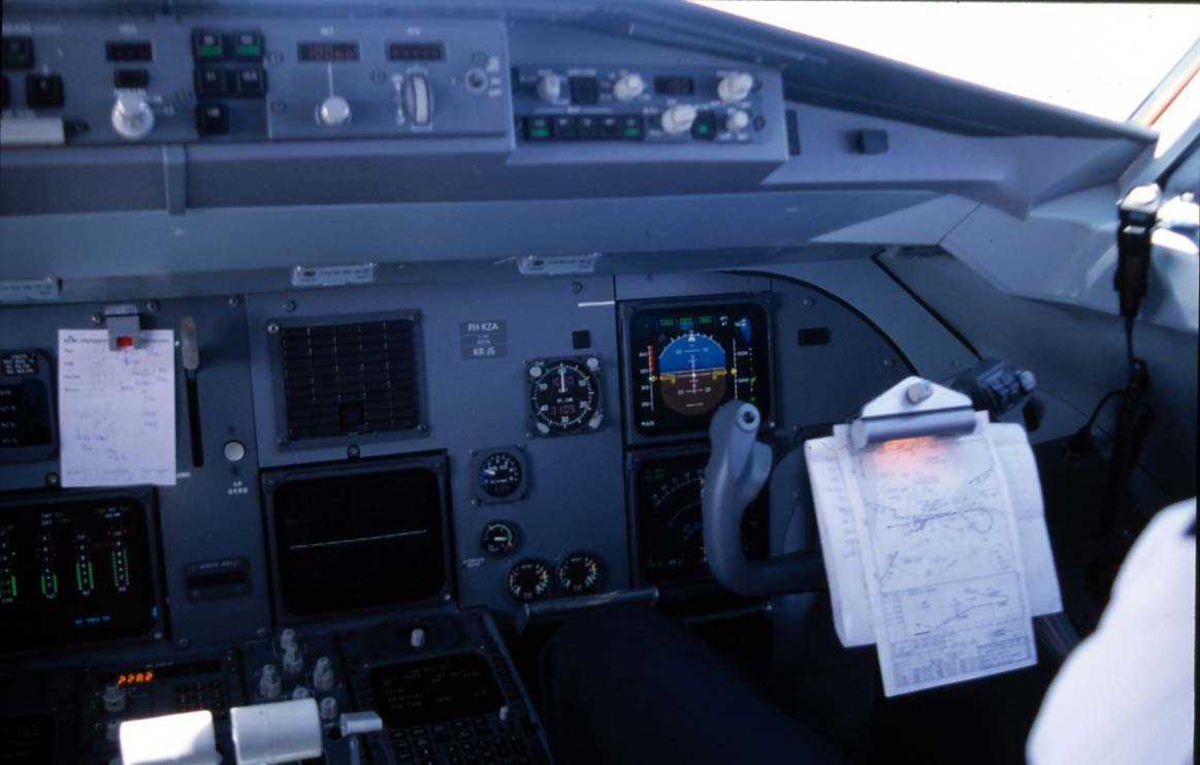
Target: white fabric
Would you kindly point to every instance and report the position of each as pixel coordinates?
(1127, 693)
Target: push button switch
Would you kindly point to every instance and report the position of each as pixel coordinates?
(212, 119)
(564, 127)
(18, 52)
(207, 46)
(610, 127)
(248, 46)
(44, 91)
(587, 128)
(538, 129)
(705, 126)
(250, 83)
(210, 82)
(632, 128)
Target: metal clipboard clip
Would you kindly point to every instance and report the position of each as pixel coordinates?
(912, 408)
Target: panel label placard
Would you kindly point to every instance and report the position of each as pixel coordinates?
(483, 339)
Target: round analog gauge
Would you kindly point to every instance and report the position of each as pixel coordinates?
(499, 538)
(528, 580)
(500, 475)
(579, 573)
(565, 396)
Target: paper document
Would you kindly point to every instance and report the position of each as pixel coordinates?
(936, 550)
(116, 409)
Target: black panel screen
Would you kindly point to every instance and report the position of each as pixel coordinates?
(424, 692)
(348, 379)
(670, 522)
(26, 408)
(359, 539)
(688, 360)
(75, 571)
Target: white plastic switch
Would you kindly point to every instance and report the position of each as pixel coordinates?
(270, 685)
(629, 87)
(329, 708)
(300, 692)
(334, 111)
(114, 697)
(132, 117)
(549, 87)
(287, 639)
(505, 713)
(112, 730)
(293, 660)
(678, 119)
(418, 99)
(323, 677)
(417, 637)
(734, 87)
(737, 120)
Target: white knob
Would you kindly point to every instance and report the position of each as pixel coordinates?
(300, 692)
(737, 120)
(505, 713)
(287, 639)
(323, 676)
(735, 87)
(270, 686)
(293, 660)
(418, 99)
(132, 117)
(629, 87)
(334, 111)
(678, 119)
(113, 698)
(112, 730)
(417, 638)
(549, 87)
(329, 708)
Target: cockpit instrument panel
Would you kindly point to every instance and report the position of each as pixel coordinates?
(74, 571)
(687, 360)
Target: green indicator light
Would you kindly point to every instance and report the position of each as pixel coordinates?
(666, 323)
(633, 132)
(210, 51)
(252, 51)
(706, 320)
(539, 133)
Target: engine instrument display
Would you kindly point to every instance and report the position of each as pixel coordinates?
(688, 360)
(670, 521)
(564, 396)
(75, 571)
(528, 580)
(579, 573)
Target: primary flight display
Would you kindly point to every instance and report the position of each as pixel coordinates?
(690, 359)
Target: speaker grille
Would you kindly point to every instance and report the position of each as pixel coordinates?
(347, 379)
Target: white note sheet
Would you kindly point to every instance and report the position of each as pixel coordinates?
(936, 550)
(116, 409)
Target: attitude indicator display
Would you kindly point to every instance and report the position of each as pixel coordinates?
(688, 360)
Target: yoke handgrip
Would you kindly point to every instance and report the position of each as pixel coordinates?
(737, 470)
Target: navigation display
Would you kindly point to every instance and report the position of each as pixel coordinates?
(688, 360)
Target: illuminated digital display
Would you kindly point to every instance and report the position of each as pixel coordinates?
(326, 51)
(135, 678)
(74, 571)
(688, 360)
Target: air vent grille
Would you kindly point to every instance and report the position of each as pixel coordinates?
(347, 379)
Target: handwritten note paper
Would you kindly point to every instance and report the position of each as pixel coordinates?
(116, 409)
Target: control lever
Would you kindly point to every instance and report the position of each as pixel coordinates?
(189, 350)
(354, 724)
(737, 470)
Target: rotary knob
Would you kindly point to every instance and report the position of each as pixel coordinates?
(735, 87)
(678, 119)
(132, 117)
(736, 121)
(418, 99)
(629, 87)
(334, 111)
(114, 698)
(549, 87)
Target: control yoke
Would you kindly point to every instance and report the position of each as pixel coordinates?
(737, 470)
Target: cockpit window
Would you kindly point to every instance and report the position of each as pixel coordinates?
(1103, 60)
